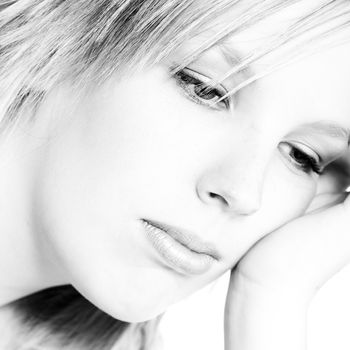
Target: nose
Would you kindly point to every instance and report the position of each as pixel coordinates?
(232, 192)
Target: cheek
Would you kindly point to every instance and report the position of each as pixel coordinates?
(287, 194)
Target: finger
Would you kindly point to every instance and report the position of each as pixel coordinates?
(272, 285)
(325, 200)
(304, 253)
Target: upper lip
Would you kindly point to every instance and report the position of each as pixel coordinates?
(187, 239)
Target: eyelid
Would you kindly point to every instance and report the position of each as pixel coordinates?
(314, 165)
(205, 79)
(304, 148)
(230, 102)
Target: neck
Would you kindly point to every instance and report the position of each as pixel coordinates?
(26, 266)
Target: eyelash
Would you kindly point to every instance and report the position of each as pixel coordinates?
(193, 87)
(199, 92)
(301, 159)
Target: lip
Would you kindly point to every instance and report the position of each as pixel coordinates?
(180, 249)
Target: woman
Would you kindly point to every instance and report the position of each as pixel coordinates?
(148, 145)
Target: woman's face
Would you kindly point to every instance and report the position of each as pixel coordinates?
(151, 151)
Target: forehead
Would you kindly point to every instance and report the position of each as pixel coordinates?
(271, 18)
(296, 29)
(312, 70)
(310, 73)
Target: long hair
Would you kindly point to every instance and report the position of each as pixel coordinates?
(44, 43)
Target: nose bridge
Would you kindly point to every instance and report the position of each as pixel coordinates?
(236, 181)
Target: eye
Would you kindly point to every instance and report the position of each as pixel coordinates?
(301, 157)
(196, 88)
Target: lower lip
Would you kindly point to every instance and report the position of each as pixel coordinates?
(176, 255)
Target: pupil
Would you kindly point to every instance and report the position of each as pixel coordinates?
(204, 93)
(300, 156)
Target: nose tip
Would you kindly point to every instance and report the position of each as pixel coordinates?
(240, 204)
(236, 190)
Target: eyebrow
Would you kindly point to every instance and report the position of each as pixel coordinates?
(331, 129)
(234, 57)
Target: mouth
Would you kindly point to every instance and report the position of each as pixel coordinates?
(180, 250)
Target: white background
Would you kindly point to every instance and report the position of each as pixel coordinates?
(197, 322)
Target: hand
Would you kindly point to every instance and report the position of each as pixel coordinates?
(271, 287)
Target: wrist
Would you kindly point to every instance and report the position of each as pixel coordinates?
(258, 318)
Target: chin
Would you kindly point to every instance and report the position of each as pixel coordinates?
(131, 308)
(134, 313)
(126, 300)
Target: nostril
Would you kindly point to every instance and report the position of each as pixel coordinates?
(219, 198)
(243, 205)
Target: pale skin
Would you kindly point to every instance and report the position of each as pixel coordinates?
(273, 284)
(77, 181)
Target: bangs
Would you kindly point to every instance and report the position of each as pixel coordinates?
(44, 43)
(313, 32)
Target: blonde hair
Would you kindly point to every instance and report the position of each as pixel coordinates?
(44, 43)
